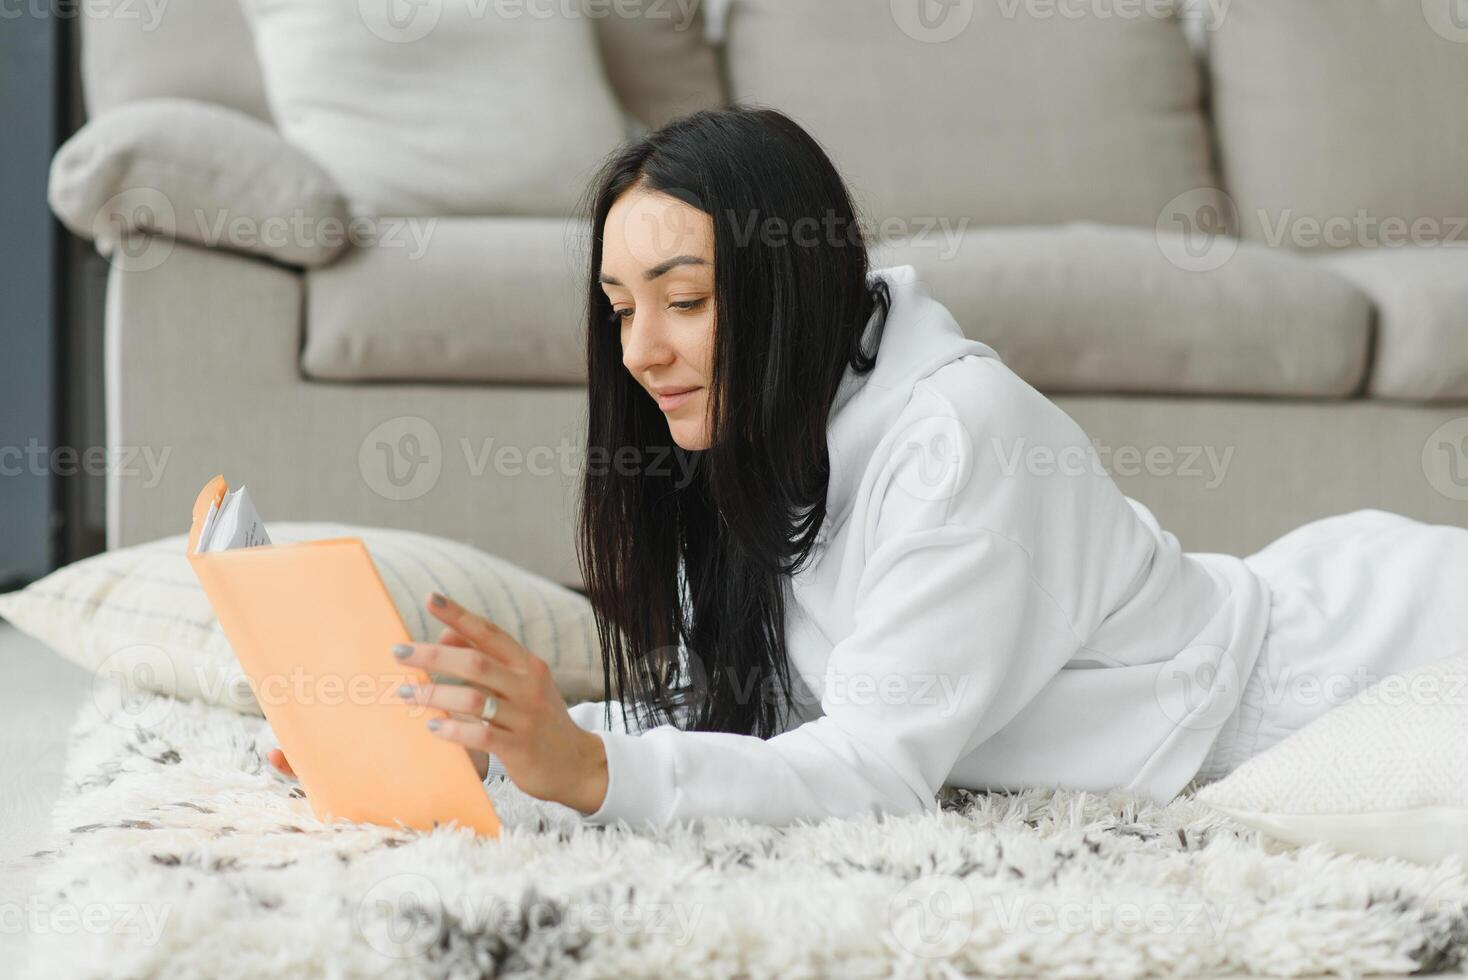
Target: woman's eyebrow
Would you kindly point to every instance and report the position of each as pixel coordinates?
(657, 270)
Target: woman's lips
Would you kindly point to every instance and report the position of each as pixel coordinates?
(669, 402)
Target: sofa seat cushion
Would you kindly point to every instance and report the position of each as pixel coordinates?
(987, 111)
(1097, 309)
(1421, 297)
(453, 299)
(1343, 123)
(1072, 308)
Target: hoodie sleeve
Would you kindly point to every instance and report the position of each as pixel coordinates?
(952, 637)
(591, 715)
(588, 715)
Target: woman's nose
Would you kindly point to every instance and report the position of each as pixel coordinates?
(643, 344)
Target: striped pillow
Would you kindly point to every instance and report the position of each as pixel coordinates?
(140, 613)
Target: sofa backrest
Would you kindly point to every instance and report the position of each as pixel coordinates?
(654, 53)
(1344, 123)
(990, 111)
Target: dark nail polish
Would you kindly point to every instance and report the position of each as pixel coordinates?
(437, 599)
(401, 650)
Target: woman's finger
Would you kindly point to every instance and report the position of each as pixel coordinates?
(278, 760)
(474, 734)
(451, 637)
(462, 699)
(480, 632)
(468, 663)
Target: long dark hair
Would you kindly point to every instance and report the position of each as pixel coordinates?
(792, 301)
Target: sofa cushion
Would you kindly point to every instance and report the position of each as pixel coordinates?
(197, 50)
(456, 299)
(1004, 117)
(1076, 308)
(200, 172)
(1343, 122)
(1421, 297)
(456, 109)
(657, 58)
(1097, 309)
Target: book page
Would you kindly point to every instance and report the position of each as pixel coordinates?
(236, 525)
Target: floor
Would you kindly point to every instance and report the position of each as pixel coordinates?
(38, 702)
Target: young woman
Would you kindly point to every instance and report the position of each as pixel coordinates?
(840, 555)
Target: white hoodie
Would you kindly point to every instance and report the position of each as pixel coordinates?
(984, 608)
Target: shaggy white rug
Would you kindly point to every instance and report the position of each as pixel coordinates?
(178, 852)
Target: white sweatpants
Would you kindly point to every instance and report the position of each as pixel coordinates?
(1355, 597)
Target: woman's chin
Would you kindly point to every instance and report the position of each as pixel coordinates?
(689, 436)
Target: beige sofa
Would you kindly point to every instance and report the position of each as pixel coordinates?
(1231, 259)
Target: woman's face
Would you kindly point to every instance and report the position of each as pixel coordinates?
(657, 269)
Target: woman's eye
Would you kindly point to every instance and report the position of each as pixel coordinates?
(619, 316)
(688, 304)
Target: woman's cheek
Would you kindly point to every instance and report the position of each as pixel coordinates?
(706, 358)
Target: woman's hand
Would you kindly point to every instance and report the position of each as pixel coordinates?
(547, 754)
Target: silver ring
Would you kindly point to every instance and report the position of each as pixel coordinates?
(491, 705)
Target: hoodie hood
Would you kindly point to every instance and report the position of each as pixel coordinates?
(918, 338)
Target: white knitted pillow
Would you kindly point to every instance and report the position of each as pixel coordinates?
(1384, 775)
(140, 613)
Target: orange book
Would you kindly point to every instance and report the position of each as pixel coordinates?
(313, 625)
